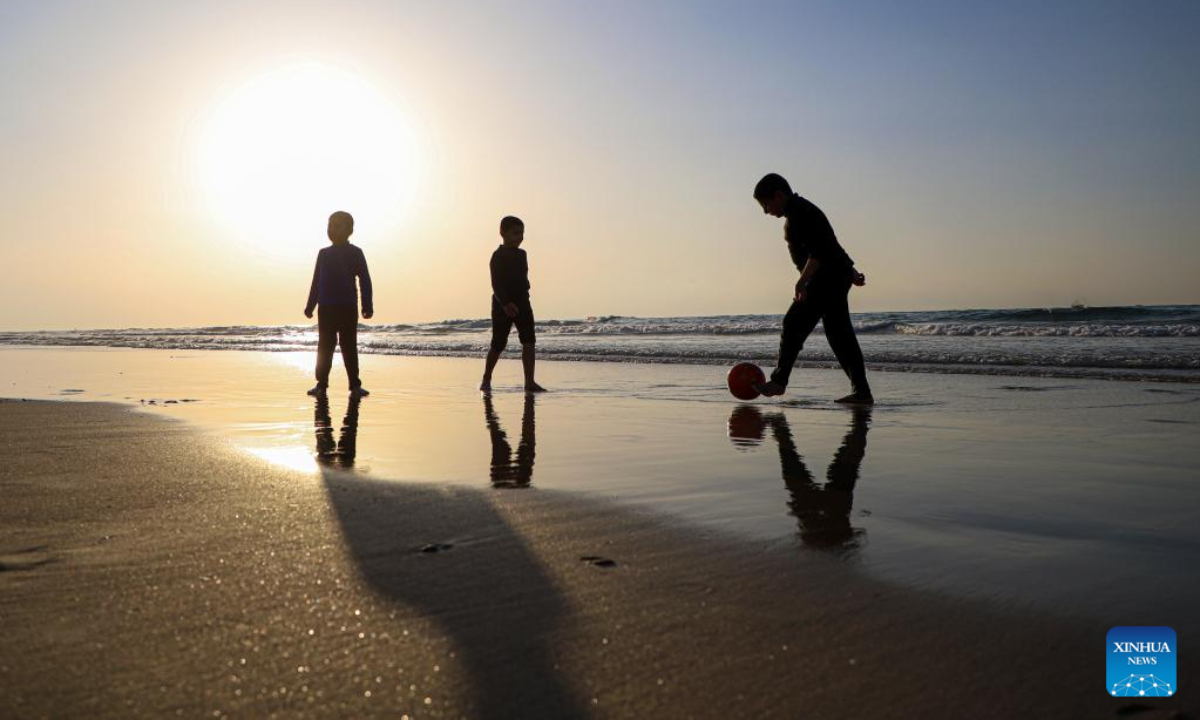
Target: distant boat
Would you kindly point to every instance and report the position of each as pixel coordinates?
(1078, 306)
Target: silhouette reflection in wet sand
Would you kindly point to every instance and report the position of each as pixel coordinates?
(339, 453)
(436, 551)
(823, 510)
(509, 471)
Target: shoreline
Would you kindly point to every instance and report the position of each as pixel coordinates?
(183, 575)
(1165, 375)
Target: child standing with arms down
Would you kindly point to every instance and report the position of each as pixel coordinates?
(510, 303)
(334, 292)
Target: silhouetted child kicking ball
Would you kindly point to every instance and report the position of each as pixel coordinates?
(510, 303)
(336, 298)
(826, 274)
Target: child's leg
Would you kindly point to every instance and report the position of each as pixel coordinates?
(326, 341)
(839, 330)
(800, 320)
(501, 326)
(524, 322)
(528, 360)
(489, 363)
(348, 337)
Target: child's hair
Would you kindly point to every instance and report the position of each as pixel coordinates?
(510, 221)
(769, 185)
(343, 215)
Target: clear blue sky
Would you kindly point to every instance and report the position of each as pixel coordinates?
(968, 154)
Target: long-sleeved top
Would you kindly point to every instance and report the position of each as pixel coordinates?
(510, 275)
(333, 278)
(809, 234)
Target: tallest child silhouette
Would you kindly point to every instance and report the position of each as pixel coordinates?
(826, 274)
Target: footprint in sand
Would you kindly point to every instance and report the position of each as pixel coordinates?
(598, 561)
(26, 559)
(435, 547)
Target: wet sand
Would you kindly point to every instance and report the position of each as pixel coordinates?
(150, 569)
(1071, 497)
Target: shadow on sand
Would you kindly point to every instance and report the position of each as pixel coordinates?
(452, 557)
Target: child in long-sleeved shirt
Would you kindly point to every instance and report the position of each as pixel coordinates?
(334, 292)
(510, 303)
(826, 275)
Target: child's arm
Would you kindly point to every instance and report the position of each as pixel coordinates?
(312, 290)
(364, 282)
(806, 275)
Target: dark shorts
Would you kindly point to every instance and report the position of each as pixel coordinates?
(502, 324)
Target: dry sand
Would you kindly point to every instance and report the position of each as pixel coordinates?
(147, 569)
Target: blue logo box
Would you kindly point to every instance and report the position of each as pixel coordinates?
(1141, 662)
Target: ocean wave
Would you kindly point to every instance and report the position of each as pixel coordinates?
(771, 326)
(1128, 321)
(1029, 353)
(970, 340)
(1126, 314)
(1008, 330)
(767, 326)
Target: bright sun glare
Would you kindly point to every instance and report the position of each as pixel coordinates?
(287, 148)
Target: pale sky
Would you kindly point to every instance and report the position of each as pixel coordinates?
(172, 164)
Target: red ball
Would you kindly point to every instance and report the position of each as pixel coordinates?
(742, 379)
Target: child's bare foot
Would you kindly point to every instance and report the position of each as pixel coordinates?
(770, 388)
(532, 387)
(485, 385)
(857, 398)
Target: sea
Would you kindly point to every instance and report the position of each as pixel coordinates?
(1152, 342)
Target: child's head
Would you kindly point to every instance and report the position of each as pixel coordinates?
(341, 227)
(773, 193)
(512, 229)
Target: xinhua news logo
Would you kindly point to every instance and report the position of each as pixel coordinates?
(1141, 662)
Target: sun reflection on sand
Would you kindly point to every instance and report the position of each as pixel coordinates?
(296, 457)
(298, 360)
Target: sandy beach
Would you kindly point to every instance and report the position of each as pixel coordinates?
(199, 564)
(150, 571)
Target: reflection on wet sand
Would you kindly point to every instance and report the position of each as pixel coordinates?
(823, 510)
(507, 470)
(339, 453)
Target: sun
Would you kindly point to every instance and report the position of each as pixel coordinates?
(288, 147)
